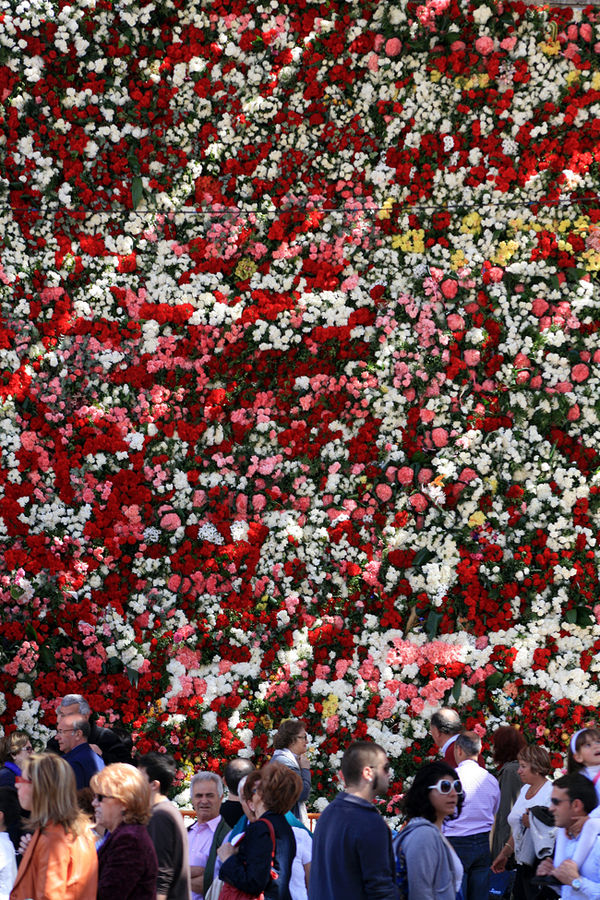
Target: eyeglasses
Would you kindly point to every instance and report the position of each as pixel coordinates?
(20, 779)
(65, 731)
(556, 802)
(444, 786)
(101, 797)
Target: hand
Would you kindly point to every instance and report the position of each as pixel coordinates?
(304, 761)
(499, 864)
(96, 749)
(525, 820)
(24, 842)
(546, 867)
(225, 851)
(567, 871)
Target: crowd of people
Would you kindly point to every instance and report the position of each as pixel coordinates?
(86, 819)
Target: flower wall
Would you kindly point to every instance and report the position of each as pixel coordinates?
(299, 388)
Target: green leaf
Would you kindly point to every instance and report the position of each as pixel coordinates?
(133, 675)
(571, 616)
(137, 191)
(433, 623)
(457, 688)
(423, 556)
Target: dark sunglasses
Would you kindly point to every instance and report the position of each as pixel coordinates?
(444, 786)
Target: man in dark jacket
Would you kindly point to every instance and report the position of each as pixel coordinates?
(105, 742)
(352, 848)
(167, 829)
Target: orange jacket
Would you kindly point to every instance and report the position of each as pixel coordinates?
(57, 866)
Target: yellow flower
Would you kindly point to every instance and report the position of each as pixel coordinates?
(411, 242)
(384, 212)
(596, 81)
(245, 268)
(572, 76)
(330, 706)
(435, 75)
(458, 260)
(476, 519)
(550, 48)
(471, 223)
(506, 249)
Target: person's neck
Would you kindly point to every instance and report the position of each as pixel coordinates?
(574, 829)
(158, 798)
(535, 784)
(439, 822)
(364, 791)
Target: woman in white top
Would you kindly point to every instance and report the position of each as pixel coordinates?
(584, 757)
(534, 767)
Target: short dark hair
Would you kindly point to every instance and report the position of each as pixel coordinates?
(235, 770)
(507, 741)
(417, 802)
(447, 721)
(578, 787)
(159, 767)
(287, 733)
(81, 724)
(470, 743)
(356, 757)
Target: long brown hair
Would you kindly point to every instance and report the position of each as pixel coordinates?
(54, 794)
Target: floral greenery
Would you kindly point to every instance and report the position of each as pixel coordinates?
(299, 369)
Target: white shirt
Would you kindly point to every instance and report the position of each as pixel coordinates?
(482, 796)
(8, 865)
(303, 855)
(524, 850)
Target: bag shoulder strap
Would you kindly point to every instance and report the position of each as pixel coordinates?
(269, 825)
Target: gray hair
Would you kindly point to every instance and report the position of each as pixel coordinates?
(207, 776)
(470, 744)
(76, 700)
(447, 721)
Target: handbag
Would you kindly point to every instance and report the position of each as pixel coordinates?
(229, 892)
(214, 891)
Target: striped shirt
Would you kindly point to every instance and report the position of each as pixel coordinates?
(482, 796)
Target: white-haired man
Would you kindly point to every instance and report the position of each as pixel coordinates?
(207, 833)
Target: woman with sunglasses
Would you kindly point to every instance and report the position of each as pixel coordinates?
(60, 861)
(127, 862)
(427, 866)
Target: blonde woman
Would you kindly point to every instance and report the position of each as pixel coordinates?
(128, 867)
(60, 862)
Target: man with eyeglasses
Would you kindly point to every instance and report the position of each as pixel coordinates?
(469, 834)
(73, 734)
(576, 862)
(352, 847)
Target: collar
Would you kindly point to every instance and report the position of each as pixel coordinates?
(448, 742)
(212, 824)
(354, 798)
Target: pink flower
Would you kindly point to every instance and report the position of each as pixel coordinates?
(439, 436)
(419, 502)
(580, 372)
(405, 475)
(449, 288)
(472, 357)
(384, 492)
(393, 46)
(484, 45)
(456, 322)
(539, 306)
(170, 522)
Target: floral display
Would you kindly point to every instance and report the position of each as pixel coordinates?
(300, 370)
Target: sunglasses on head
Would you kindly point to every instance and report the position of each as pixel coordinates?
(444, 786)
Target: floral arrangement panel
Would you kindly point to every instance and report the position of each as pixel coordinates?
(299, 369)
